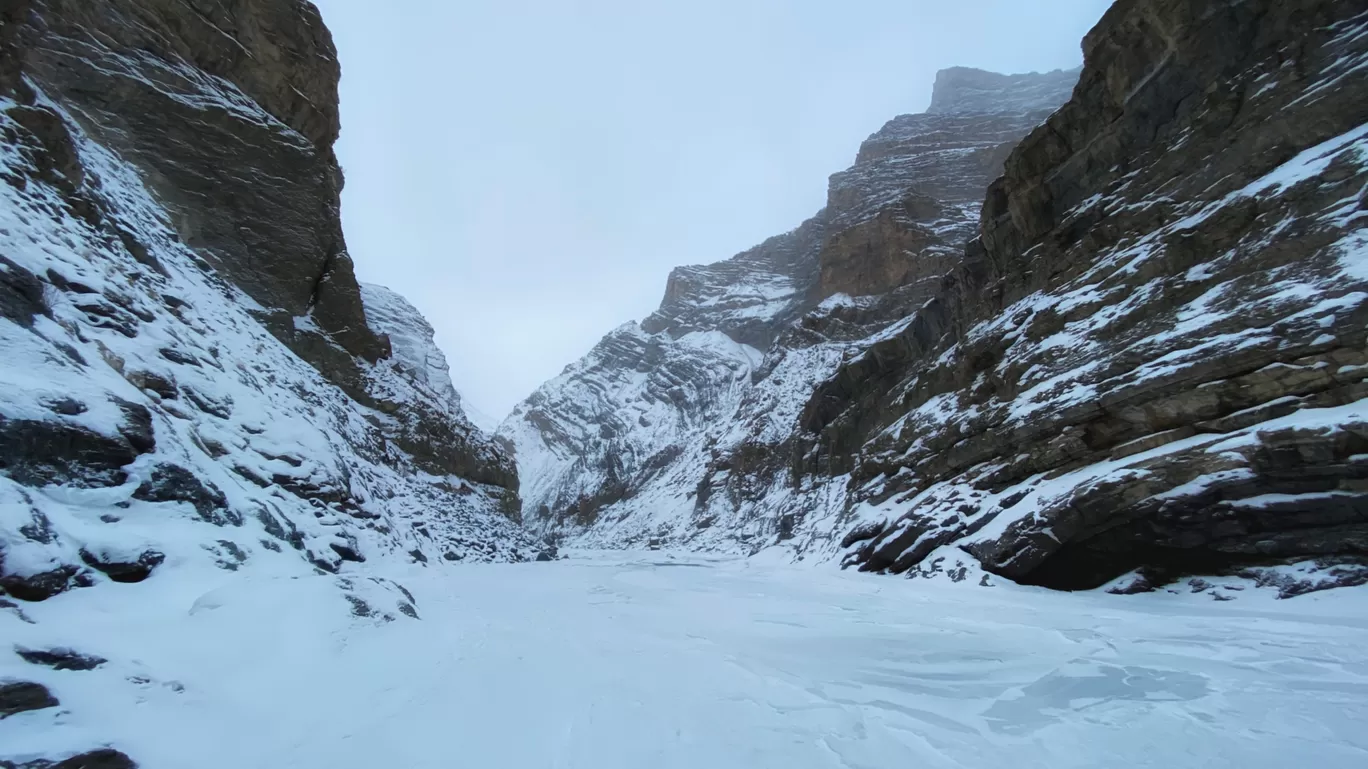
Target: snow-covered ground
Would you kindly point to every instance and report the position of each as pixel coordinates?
(652, 660)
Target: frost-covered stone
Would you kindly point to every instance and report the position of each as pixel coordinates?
(23, 696)
(60, 659)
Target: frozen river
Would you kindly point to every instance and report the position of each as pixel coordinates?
(643, 660)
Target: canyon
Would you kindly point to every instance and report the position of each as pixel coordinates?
(1071, 333)
(1086, 342)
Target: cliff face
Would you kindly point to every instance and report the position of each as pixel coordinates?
(230, 111)
(618, 448)
(1149, 356)
(193, 376)
(1154, 355)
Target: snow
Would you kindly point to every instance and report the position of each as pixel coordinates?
(487, 422)
(411, 339)
(197, 89)
(630, 660)
(655, 390)
(1308, 164)
(1354, 255)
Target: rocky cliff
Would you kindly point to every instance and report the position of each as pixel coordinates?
(1149, 356)
(618, 447)
(1154, 354)
(193, 377)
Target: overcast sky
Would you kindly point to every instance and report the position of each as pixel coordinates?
(527, 172)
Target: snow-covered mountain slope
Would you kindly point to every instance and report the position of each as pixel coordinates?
(1151, 354)
(618, 444)
(630, 401)
(191, 384)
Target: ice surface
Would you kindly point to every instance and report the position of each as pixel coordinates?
(652, 660)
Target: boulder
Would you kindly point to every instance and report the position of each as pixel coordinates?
(126, 571)
(60, 659)
(173, 483)
(23, 696)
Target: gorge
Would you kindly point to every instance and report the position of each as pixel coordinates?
(1086, 342)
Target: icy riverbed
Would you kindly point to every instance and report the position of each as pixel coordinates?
(648, 660)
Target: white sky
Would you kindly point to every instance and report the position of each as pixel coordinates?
(527, 172)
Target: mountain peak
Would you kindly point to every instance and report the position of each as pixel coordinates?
(967, 90)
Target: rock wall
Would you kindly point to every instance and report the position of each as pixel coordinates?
(192, 377)
(1154, 355)
(230, 110)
